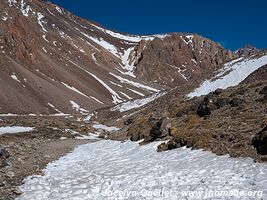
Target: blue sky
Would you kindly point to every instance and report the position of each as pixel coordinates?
(232, 23)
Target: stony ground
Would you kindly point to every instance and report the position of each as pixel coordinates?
(26, 154)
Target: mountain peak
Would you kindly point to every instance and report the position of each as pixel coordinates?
(247, 50)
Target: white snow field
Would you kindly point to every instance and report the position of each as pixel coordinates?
(232, 74)
(14, 129)
(137, 103)
(114, 170)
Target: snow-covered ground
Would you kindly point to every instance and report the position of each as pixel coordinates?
(104, 127)
(133, 83)
(114, 170)
(14, 129)
(129, 105)
(232, 74)
(78, 108)
(130, 38)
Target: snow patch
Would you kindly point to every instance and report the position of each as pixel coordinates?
(115, 84)
(51, 12)
(44, 37)
(78, 108)
(101, 42)
(129, 38)
(52, 106)
(97, 100)
(106, 128)
(11, 2)
(13, 76)
(25, 9)
(135, 84)
(138, 93)
(116, 98)
(14, 129)
(180, 71)
(40, 21)
(95, 170)
(59, 10)
(129, 105)
(128, 65)
(232, 74)
(74, 89)
(128, 97)
(189, 39)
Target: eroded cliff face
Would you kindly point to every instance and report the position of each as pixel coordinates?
(178, 59)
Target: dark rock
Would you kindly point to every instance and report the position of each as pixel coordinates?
(235, 102)
(2, 184)
(218, 91)
(203, 109)
(4, 153)
(128, 121)
(247, 50)
(3, 163)
(180, 113)
(169, 146)
(136, 137)
(161, 129)
(211, 102)
(155, 132)
(263, 90)
(162, 147)
(260, 141)
(263, 99)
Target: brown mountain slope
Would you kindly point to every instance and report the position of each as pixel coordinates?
(54, 62)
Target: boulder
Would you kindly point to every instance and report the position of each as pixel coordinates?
(218, 91)
(169, 146)
(4, 153)
(263, 91)
(211, 102)
(203, 109)
(161, 128)
(260, 141)
(128, 121)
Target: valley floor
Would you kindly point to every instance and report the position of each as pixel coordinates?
(30, 157)
(25, 154)
(124, 170)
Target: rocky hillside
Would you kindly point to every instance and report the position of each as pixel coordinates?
(53, 62)
(230, 121)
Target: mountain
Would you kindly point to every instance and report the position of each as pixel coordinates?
(53, 62)
(67, 81)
